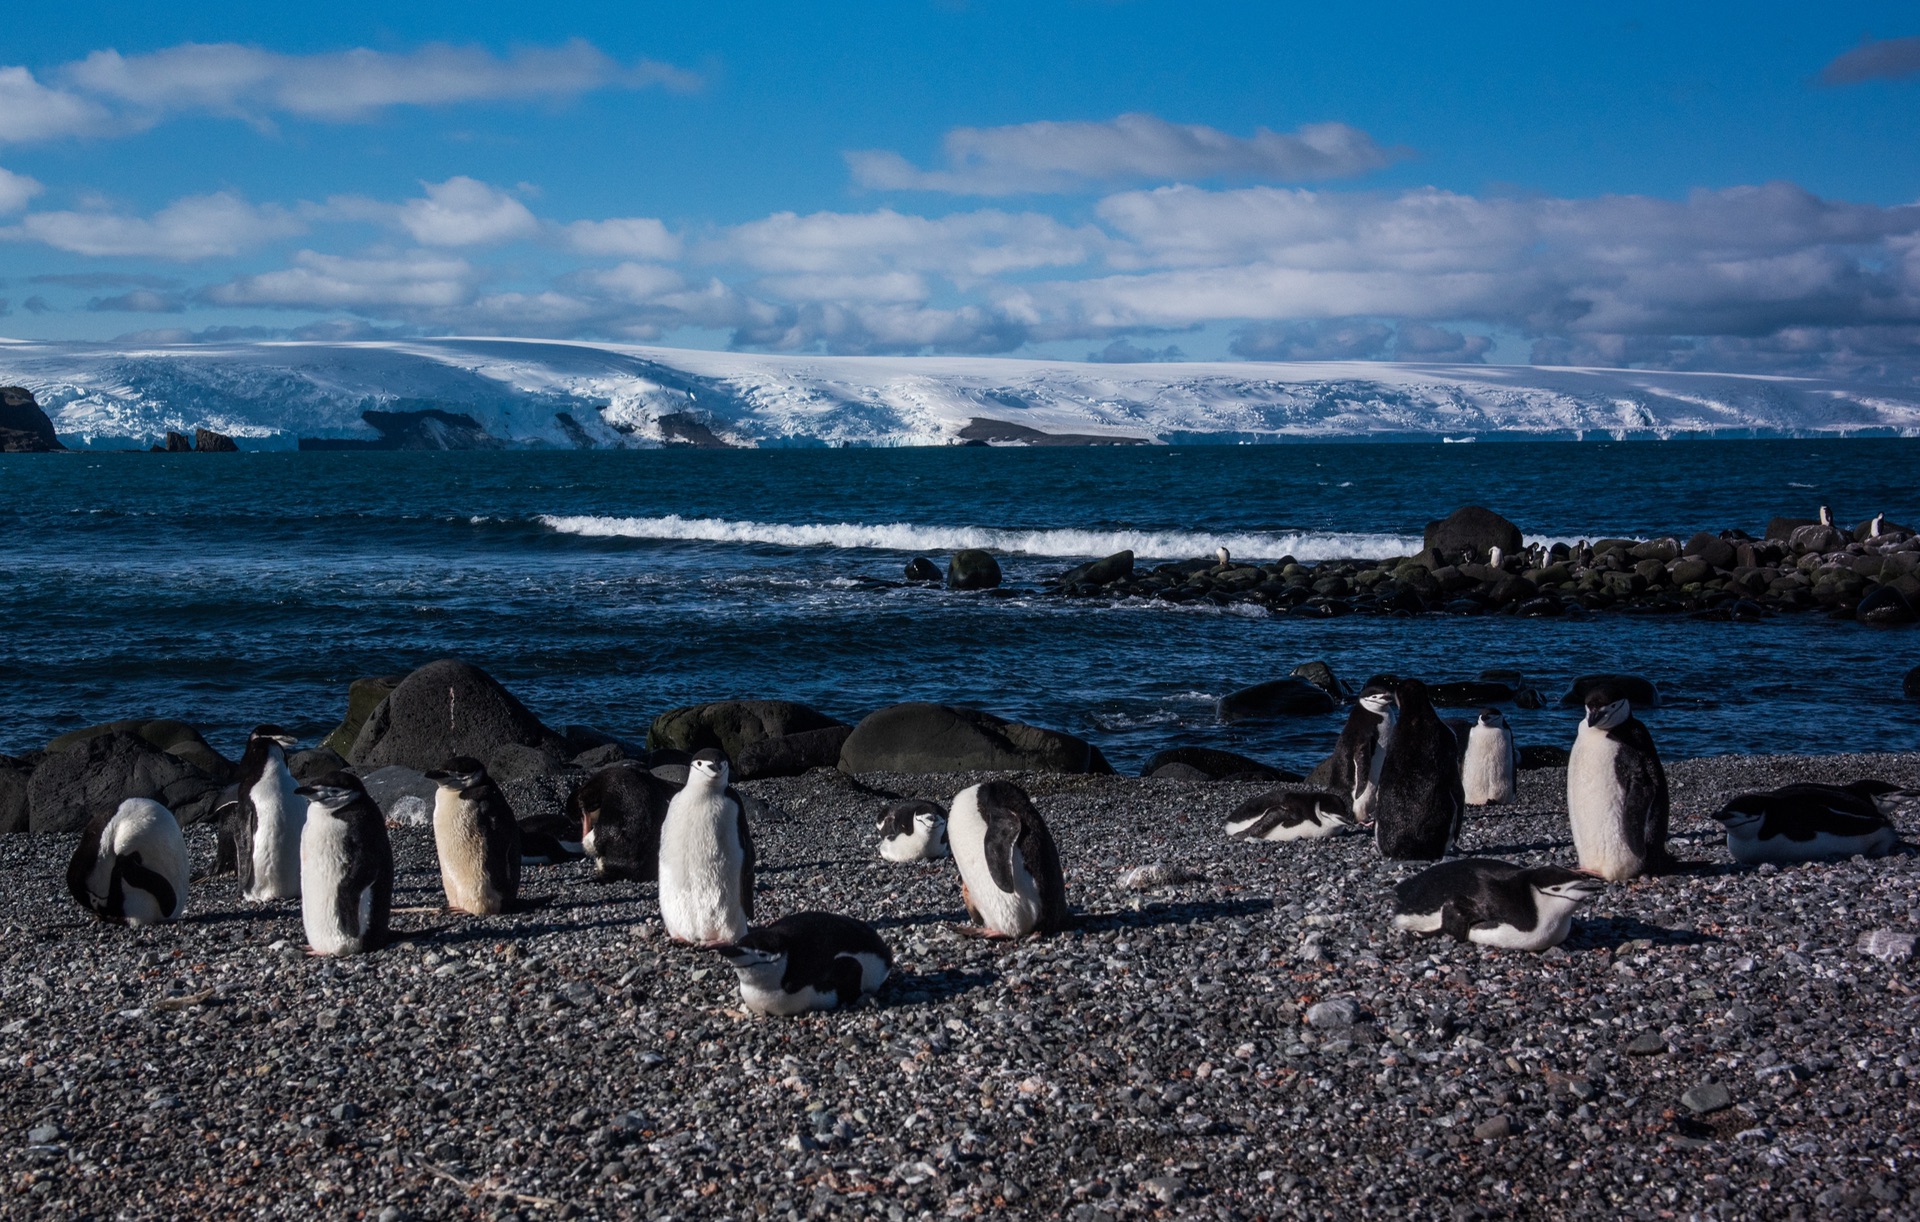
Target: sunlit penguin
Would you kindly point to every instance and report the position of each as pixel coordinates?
(130, 867)
(1487, 759)
(476, 839)
(808, 961)
(346, 867)
(1010, 875)
(1493, 903)
(267, 818)
(706, 858)
(1362, 749)
(1808, 822)
(1281, 815)
(913, 829)
(1617, 799)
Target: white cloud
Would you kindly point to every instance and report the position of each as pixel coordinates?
(31, 111)
(15, 190)
(1056, 156)
(636, 237)
(195, 227)
(965, 244)
(635, 282)
(417, 281)
(465, 212)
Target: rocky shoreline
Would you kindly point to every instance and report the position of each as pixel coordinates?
(1254, 1041)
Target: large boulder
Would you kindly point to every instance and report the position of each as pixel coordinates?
(102, 771)
(973, 569)
(174, 737)
(1472, 529)
(363, 697)
(14, 776)
(449, 708)
(1105, 571)
(791, 754)
(733, 725)
(922, 738)
(1885, 607)
(206, 441)
(1208, 763)
(24, 428)
(1711, 549)
(1281, 698)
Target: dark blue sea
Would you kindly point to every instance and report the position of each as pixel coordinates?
(603, 588)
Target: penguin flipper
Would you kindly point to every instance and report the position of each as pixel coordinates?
(1043, 862)
(1456, 921)
(746, 852)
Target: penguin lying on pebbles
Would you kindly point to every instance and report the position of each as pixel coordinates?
(913, 829)
(1616, 790)
(130, 867)
(1809, 822)
(619, 812)
(476, 839)
(266, 819)
(346, 867)
(1010, 874)
(1279, 815)
(808, 961)
(1494, 903)
(706, 858)
(1487, 758)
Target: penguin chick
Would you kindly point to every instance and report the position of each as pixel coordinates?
(476, 839)
(346, 867)
(1494, 903)
(808, 961)
(130, 867)
(1617, 803)
(1487, 759)
(913, 829)
(618, 813)
(1280, 815)
(1010, 876)
(706, 857)
(1808, 822)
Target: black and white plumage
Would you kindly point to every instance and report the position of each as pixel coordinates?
(913, 829)
(1364, 743)
(619, 812)
(706, 857)
(1280, 814)
(1493, 903)
(1010, 875)
(1809, 822)
(266, 818)
(1418, 812)
(476, 839)
(1487, 760)
(130, 867)
(1617, 800)
(346, 867)
(808, 961)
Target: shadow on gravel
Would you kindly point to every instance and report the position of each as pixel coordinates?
(480, 931)
(1615, 932)
(918, 988)
(1523, 846)
(1153, 915)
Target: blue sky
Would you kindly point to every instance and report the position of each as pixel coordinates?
(1702, 186)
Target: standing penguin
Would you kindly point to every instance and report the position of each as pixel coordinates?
(619, 812)
(266, 818)
(1616, 790)
(476, 838)
(130, 866)
(1362, 749)
(913, 829)
(346, 867)
(706, 857)
(1486, 760)
(808, 961)
(1417, 815)
(1010, 874)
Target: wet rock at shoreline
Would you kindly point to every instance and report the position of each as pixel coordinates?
(734, 726)
(920, 738)
(1211, 764)
(449, 708)
(1288, 697)
(1474, 529)
(973, 569)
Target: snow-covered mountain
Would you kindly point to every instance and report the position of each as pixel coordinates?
(539, 392)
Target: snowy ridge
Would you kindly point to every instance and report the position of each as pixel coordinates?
(539, 392)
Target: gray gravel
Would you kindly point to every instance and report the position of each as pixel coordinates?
(1714, 1044)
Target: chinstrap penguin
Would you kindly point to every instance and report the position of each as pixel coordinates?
(476, 838)
(346, 867)
(1280, 815)
(1487, 758)
(706, 858)
(1417, 815)
(1616, 790)
(267, 818)
(1010, 876)
(913, 829)
(808, 961)
(1809, 822)
(130, 867)
(619, 812)
(1362, 749)
(1494, 903)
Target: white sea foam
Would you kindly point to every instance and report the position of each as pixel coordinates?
(912, 537)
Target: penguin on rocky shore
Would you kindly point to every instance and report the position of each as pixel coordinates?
(1493, 903)
(913, 829)
(1487, 759)
(808, 961)
(1282, 815)
(1010, 877)
(1362, 748)
(476, 839)
(1420, 804)
(706, 857)
(266, 818)
(619, 812)
(1809, 822)
(130, 867)
(346, 867)
(1617, 800)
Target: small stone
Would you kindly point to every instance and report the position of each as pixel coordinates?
(346, 1111)
(43, 1135)
(391, 1213)
(1340, 1012)
(1166, 1188)
(1888, 945)
(1646, 1044)
(1707, 1097)
(1493, 1129)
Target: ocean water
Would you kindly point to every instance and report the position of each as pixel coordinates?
(604, 588)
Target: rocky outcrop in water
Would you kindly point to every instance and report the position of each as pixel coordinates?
(24, 428)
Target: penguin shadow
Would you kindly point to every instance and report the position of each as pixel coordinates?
(1611, 933)
(462, 928)
(931, 988)
(1518, 846)
(1193, 912)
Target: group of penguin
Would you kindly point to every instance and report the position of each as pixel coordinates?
(1399, 767)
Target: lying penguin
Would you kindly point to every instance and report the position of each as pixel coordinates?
(1010, 876)
(808, 961)
(1280, 815)
(913, 829)
(1809, 822)
(130, 867)
(1494, 903)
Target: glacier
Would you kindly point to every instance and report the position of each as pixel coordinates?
(547, 393)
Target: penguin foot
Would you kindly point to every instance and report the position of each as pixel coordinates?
(978, 931)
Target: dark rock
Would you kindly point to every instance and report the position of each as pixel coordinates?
(206, 441)
(1339, 1012)
(205, 758)
(24, 428)
(1471, 694)
(922, 569)
(1180, 772)
(1544, 607)
(1707, 1097)
(69, 787)
(1494, 1128)
(585, 738)
(1321, 676)
(14, 776)
(444, 709)
(1474, 529)
(1816, 538)
(363, 697)
(1641, 692)
(982, 430)
(1117, 567)
(517, 761)
(1689, 572)
(792, 754)
(923, 738)
(1536, 757)
(1711, 549)
(1885, 607)
(160, 733)
(1647, 1044)
(411, 426)
(1782, 528)
(1280, 698)
(314, 763)
(733, 725)
(599, 757)
(1214, 765)
(389, 786)
(178, 443)
(973, 569)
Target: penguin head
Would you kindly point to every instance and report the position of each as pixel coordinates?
(1492, 719)
(1560, 883)
(272, 734)
(757, 965)
(334, 791)
(1377, 697)
(1606, 707)
(460, 772)
(1332, 808)
(1411, 694)
(710, 766)
(1741, 816)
